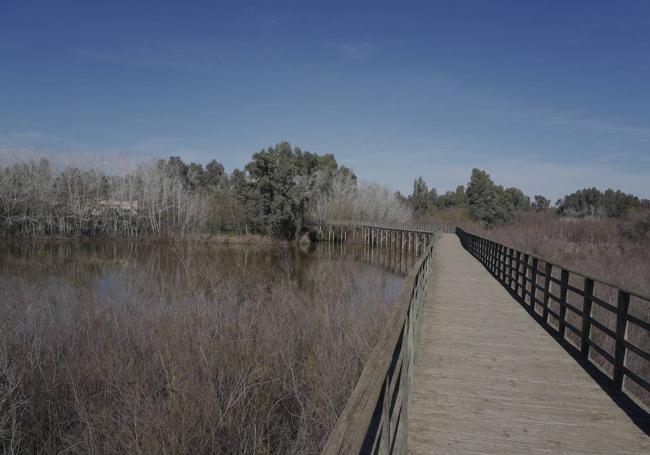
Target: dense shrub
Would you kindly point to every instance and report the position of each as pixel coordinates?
(594, 203)
(487, 202)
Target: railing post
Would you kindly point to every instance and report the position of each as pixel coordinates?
(517, 274)
(533, 288)
(406, 385)
(500, 262)
(548, 271)
(509, 267)
(484, 254)
(621, 325)
(384, 444)
(524, 280)
(586, 318)
(564, 283)
(493, 257)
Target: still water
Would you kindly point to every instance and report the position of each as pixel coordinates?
(175, 270)
(186, 348)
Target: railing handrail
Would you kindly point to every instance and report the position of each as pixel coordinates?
(520, 273)
(595, 278)
(382, 378)
(396, 226)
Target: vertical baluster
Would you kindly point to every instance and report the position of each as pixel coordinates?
(482, 256)
(533, 282)
(588, 292)
(547, 283)
(623, 308)
(492, 251)
(508, 266)
(500, 262)
(517, 265)
(384, 445)
(406, 388)
(524, 279)
(564, 282)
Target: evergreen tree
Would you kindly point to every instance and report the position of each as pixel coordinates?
(595, 203)
(420, 196)
(487, 202)
(541, 203)
(519, 200)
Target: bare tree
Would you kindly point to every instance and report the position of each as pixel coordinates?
(36, 200)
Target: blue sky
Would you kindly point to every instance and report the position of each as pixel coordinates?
(550, 96)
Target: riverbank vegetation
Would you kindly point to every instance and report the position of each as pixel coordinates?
(603, 233)
(141, 348)
(276, 192)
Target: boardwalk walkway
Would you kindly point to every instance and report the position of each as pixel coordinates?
(489, 380)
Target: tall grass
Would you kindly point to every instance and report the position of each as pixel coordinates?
(606, 248)
(601, 247)
(235, 364)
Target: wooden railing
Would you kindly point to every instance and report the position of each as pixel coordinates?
(375, 417)
(606, 324)
(394, 226)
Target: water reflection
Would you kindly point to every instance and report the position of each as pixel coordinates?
(394, 260)
(174, 270)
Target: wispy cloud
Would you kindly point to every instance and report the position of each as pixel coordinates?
(270, 21)
(558, 179)
(61, 152)
(174, 58)
(362, 52)
(597, 125)
(34, 140)
(444, 165)
(113, 163)
(554, 117)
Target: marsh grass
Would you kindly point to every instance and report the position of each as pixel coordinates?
(232, 363)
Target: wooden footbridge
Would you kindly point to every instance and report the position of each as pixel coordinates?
(491, 350)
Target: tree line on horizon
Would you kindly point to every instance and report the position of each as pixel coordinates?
(492, 204)
(275, 194)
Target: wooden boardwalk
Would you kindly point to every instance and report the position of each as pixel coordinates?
(490, 380)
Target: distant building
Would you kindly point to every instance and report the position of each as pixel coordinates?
(130, 207)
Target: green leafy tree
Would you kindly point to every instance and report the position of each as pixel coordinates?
(541, 203)
(487, 202)
(452, 199)
(195, 176)
(590, 202)
(519, 200)
(214, 173)
(420, 197)
(284, 183)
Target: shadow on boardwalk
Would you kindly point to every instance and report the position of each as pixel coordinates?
(633, 410)
(489, 379)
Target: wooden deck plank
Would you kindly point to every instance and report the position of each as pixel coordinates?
(489, 380)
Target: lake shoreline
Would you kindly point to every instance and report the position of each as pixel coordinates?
(222, 239)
